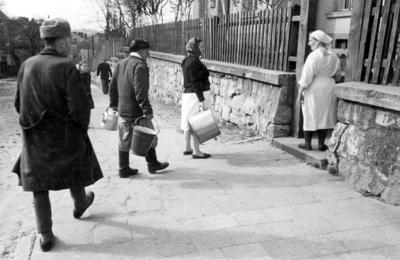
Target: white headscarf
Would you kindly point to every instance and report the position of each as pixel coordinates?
(322, 37)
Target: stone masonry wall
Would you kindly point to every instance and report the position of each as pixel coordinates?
(365, 145)
(262, 108)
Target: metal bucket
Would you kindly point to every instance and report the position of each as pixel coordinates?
(110, 119)
(204, 126)
(142, 139)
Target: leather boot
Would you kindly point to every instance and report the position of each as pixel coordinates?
(46, 240)
(153, 164)
(82, 200)
(124, 170)
(307, 141)
(321, 140)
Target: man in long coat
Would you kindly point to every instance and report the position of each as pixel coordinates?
(54, 114)
(129, 92)
(104, 70)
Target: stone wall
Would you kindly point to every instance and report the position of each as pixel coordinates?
(257, 100)
(365, 144)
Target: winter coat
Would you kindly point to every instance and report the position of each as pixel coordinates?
(129, 88)
(104, 70)
(54, 114)
(319, 106)
(195, 76)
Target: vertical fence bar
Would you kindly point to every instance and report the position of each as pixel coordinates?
(287, 32)
(373, 40)
(392, 40)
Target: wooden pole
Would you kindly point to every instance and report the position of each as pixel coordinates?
(307, 24)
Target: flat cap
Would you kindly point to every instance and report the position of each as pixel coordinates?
(139, 44)
(55, 28)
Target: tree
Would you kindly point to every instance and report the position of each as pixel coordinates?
(252, 4)
(21, 38)
(182, 9)
(122, 15)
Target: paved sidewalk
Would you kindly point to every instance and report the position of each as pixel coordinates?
(250, 200)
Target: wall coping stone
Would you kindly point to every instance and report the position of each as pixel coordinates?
(274, 77)
(372, 94)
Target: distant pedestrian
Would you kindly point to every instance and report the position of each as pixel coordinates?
(195, 97)
(125, 51)
(86, 79)
(54, 113)
(318, 101)
(104, 70)
(129, 92)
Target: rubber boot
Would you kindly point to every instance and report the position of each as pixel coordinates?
(124, 170)
(307, 139)
(153, 164)
(321, 140)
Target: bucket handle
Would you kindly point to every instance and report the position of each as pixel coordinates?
(137, 120)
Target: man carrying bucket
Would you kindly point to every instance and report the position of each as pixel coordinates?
(129, 91)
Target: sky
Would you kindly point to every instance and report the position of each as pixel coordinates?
(81, 14)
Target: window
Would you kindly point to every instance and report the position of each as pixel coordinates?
(343, 5)
(212, 3)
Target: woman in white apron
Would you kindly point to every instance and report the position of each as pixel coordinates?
(195, 97)
(317, 98)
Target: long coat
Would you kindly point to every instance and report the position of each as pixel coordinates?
(319, 106)
(54, 115)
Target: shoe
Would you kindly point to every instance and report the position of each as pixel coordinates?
(46, 240)
(204, 156)
(305, 147)
(79, 212)
(187, 152)
(128, 172)
(322, 148)
(157, 167)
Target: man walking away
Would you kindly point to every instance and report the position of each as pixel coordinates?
(104, 70)
(129, 91)
(54, 115)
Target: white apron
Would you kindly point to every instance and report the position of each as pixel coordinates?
(319, 107)
(191, 106)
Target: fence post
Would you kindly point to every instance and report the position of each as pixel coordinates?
(356, 23)
(307, 24)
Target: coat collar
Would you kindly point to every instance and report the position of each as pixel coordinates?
(50, 51)
(136, 55)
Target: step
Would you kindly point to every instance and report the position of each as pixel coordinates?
(289, 145)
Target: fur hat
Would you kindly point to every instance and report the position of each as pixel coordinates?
(139, 44)
(55, 28)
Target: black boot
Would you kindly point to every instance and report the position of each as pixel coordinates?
(321, 140)
(124, 170)
(307, 139)
(153, 164)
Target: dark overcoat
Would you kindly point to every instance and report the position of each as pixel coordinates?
(54, 115)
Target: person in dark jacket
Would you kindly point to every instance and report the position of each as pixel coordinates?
(54, 114)
(104, 70)
(129, 93)
(196, 86)
(86, 79)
